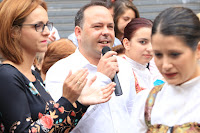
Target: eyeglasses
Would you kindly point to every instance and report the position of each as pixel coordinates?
(40, 26)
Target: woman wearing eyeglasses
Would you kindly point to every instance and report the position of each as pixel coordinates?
(25, 105)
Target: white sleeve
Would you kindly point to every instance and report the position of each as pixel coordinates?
(137, 115)
(54, 80)
(102, 80)
(127, 83)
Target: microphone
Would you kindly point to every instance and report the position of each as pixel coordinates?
(118, 90)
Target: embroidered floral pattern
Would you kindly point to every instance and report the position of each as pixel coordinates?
(157, 129)
(14, 126)
(52, 123)
(33, 89)
(137, 86)
(150, 102)
(34, 130)
(47, 121)
(1, 128)
(185, 128)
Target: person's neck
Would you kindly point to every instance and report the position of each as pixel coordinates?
(198, 70)
(93, 60)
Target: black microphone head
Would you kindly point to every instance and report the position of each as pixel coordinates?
(105, 49)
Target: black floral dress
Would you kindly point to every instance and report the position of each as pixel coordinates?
(27, 107)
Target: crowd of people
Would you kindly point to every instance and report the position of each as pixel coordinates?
(53, 84)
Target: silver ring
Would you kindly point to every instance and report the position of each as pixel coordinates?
(79, 82)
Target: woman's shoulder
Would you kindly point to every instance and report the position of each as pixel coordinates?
(10, 74)
(8, 70)
(11, 78)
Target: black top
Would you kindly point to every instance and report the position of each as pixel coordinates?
(27, 107)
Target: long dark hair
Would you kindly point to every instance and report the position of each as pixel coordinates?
(119, 9)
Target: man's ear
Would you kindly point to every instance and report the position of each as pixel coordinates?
(77, 31)
(126, 43)
(16, 32)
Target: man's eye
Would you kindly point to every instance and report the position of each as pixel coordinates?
(97, 26)
(158, 55)
(111, 27)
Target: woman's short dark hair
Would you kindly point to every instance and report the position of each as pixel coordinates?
(181, 22)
